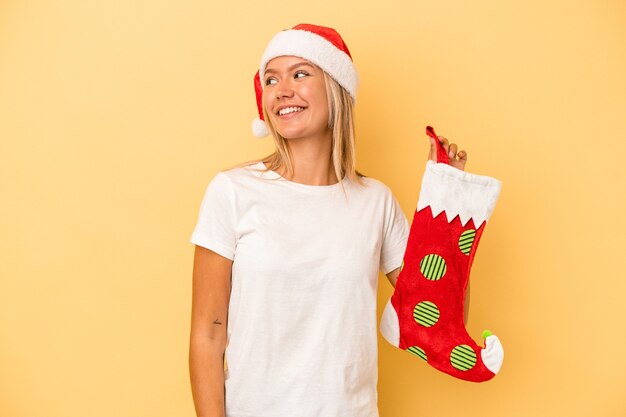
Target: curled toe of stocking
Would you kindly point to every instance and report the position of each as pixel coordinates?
(493, 354)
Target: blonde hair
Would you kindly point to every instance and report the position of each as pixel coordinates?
(340, 120)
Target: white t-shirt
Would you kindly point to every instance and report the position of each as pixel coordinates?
(302, 323)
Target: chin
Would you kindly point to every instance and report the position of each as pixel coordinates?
(301, 133)
(290, 134)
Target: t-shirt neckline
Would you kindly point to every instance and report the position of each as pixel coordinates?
(296, 185)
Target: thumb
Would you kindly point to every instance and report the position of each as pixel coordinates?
(432, 153)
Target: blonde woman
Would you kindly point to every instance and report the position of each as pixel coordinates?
(288, 250)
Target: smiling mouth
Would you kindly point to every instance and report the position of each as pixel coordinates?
(289, 110)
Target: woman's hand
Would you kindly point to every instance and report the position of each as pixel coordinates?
(457, 159)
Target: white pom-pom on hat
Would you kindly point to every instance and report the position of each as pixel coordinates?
(319, 45)
(259, 128)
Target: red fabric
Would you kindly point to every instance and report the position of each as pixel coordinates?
(258, 89)
(330, 34)
(435, 235)
(442, 155)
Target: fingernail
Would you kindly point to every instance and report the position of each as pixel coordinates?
(451, 154)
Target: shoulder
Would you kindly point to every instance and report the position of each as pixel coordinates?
(242, 170)
(238, 174)
(229, 187)
(376, 187)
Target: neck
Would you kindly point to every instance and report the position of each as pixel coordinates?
(311, 160)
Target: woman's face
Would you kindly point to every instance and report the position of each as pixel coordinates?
(294, 96)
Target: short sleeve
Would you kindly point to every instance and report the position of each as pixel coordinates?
(395, 235)
(215, 228)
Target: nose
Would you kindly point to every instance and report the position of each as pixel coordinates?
(284, 89)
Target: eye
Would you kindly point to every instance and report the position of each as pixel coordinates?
(270, 80)
(301, 74)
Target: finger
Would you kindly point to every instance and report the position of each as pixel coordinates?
(462, 155)
(452, 150)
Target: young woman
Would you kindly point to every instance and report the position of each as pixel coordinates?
(288, 250)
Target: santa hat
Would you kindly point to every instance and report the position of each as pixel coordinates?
(319, 45)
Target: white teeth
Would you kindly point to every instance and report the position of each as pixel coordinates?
(288, 110)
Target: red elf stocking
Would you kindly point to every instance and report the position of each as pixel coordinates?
(424, 316)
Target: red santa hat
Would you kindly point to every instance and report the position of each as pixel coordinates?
(319, 45)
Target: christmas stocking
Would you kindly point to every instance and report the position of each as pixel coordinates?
(424, 316)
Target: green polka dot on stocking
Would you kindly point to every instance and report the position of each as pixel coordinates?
(418, 351)
(426, 313)
(433, 267)
(466, 240)
(463, 357)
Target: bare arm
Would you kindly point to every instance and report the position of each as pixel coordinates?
(207, 344)
(393, 278)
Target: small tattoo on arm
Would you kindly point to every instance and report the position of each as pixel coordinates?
(217, 321)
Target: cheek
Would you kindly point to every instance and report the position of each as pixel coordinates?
(266, 99)
(318, 96)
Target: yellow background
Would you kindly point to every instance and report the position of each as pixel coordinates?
(115, 115)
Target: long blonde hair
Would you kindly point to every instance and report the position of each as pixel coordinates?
(340, 120)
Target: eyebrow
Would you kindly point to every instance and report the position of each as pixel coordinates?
(296, 65)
